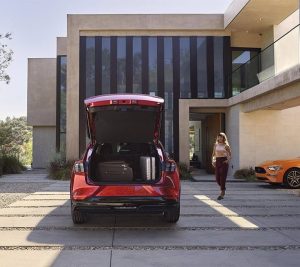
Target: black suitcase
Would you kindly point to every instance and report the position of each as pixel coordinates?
(112, 171)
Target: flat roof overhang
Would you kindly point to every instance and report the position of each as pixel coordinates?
(257, 15)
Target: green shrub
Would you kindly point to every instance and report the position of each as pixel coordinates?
(60, 169)
(1, 166)
(11, 165)
(246, 174)
(184, 172)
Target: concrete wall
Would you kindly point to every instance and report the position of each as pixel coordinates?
(184, 112)
(233, 134)
(43, 147)
(41, 92)
(233, 10)
(268, 135)
(61, 46)
(267, 56)
(267, 37)
(246, 39)
(286, 49)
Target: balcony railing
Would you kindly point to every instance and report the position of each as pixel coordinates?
(271, 61)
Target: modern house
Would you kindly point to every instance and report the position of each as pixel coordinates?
(237, 72)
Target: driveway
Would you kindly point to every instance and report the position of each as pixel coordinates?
(255, 225)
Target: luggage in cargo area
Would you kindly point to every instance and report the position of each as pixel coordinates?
(147, 167)
(112, 171)
(124, 162)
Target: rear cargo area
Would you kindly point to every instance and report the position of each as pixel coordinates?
(124, 163)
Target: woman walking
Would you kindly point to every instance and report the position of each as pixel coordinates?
(220, 159)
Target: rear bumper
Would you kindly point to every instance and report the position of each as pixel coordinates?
(124, 205)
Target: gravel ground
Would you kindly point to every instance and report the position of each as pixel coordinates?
(11, 192)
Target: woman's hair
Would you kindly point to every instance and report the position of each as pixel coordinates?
(224, 138)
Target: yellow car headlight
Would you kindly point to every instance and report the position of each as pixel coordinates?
(274, 168)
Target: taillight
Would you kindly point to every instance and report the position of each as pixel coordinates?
(170, 166)
(79, 167)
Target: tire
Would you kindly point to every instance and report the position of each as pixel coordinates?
(78, 217)
(292, 178)
(172, 215)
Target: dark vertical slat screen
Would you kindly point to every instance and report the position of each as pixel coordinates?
(129, 65)
(145, 65)
(210, 67)
(113, 65)
(193, 67)
(98, 66)
(176, 95)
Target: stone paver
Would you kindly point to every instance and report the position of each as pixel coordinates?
(35, 211)
(56, 258)
(40, 203)
(47, 197)
(196, 258)
(62, 238)
(37, 230)
(212, 238)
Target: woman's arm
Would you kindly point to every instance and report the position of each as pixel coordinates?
(229, 155)
(214, 151)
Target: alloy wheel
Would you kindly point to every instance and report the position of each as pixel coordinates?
(293, 178)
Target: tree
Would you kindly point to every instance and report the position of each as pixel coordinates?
(5, 57)
(15, 138)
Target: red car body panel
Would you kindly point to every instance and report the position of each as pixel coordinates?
(167, 188)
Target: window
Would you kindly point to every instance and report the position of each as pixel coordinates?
(218, 68)
(105, 64)
(244, 70)
(152, 65)
(61, 104)
(168, 70)
(145, 64)
(137, 65)
(90, 66)
(202, 67)
(121, 64)
(185, 77)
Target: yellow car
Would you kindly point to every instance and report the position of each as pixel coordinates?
(280, 171)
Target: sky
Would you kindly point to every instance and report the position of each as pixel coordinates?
(35, 24)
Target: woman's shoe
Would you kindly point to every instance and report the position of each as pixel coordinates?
(221, 196)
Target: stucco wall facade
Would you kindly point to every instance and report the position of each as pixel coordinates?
(61, 46)
(268, 135)
(233, 134)
(41, 92)
(43, 147)
(286, 49)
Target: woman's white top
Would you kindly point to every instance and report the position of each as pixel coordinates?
(220, 150)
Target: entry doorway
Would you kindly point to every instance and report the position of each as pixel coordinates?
(203, 129)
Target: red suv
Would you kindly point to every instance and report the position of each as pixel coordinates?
(125, 167)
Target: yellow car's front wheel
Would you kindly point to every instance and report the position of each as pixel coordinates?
(292, 178)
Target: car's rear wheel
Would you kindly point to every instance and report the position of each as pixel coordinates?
(172, 215)
(78, 217)
(292, 178)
